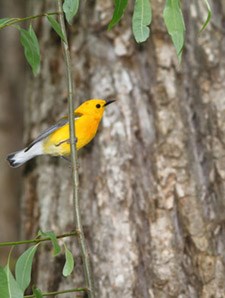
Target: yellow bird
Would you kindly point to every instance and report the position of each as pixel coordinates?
(55, 140)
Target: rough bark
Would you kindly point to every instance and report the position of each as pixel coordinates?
(152, 181)
(11, 94)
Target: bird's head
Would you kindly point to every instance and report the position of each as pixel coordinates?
(95, 107)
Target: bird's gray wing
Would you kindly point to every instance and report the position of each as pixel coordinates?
(51, 129)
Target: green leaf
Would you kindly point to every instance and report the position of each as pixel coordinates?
(56, 26)
(120, 6)
(208, 16)
(30, 43)
(33, 36)
(142, 17)
(69, 264)
(70, 8)
(37, 292)
(3, 284)
(54, 240)
(14, 290)
(174, 21)
(24, 266)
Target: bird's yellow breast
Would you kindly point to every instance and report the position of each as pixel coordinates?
(58, 143)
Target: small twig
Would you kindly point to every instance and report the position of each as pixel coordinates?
(59, 292)
(37, 240)
(76, 204)
(18, 20)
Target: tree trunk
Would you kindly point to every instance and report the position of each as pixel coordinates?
(152, 182)
(11, 94)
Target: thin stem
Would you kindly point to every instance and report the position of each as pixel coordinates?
(59, 292)
(37, 240)
(76, 204)
(18, 20)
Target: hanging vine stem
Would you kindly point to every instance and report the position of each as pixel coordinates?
(77, 215)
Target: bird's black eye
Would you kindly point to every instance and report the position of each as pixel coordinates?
(98, 106)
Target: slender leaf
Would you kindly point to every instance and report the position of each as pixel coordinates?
(142, 17)
(37, 292)
(120, 6)
(208, 16)
(56, 26)
(70, 8)
(69, 264)
(173, 18)
(30, 43)
(3, 284)
(14, 290)
(24, 266)
(54, 240)
(33, 36)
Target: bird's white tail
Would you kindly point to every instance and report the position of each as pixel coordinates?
(18, 158)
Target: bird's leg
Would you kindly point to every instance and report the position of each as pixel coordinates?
(66, 158)
(67, 141)
(75, 141)
(62, 142)
(69, 161)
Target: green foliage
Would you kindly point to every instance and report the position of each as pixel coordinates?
(70, 8)
(69, 264)
(24, 266)
(14, 290)
(173, 18)
(3, 284)
(142, 17)
(11, 287)
(141, 21)
(56, 26)
(37, 292)
(120, 6)
(52, 236)
(30, 43)
(208, 16)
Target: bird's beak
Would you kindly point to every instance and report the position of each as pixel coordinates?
(108, 102)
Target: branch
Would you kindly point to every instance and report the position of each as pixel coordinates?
(13, 21)
(37, 240)
(76, 204)
(59, 292)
